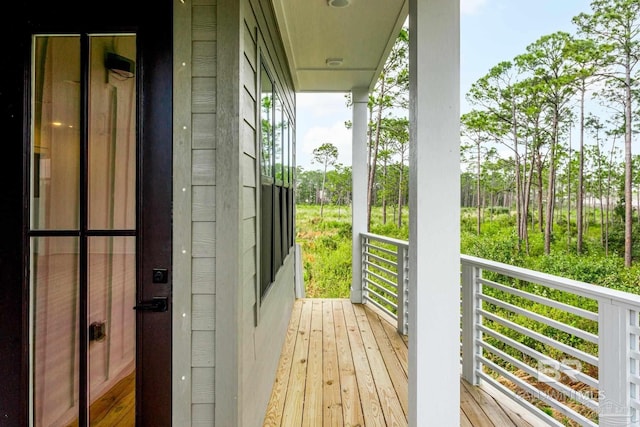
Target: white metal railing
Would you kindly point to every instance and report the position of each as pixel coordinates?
(567, 351)
(385, 278)
(554, 345)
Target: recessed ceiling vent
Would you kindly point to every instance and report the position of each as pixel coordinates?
(339, 3)
(334, 62)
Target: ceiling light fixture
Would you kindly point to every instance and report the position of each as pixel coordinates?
(334, 62)
(339, 3)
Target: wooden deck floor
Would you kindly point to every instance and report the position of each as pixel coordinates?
(344, 364)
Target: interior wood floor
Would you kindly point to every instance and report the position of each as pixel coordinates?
(345, 364)
(117, 407)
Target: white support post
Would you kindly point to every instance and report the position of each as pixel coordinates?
(613, 365)
(470, 319)
(434, 213)
(359, 172)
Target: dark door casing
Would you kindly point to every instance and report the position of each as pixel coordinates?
(151, 21)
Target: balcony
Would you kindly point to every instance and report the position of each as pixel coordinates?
(346, 364)
(536, 349)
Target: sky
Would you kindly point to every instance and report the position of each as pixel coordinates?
(491, 31)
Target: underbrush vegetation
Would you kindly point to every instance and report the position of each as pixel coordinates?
(326, 249)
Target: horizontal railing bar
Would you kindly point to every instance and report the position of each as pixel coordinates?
(380, 249)
(387, 281)
(542, 338)
(554, 282)
(537, 393)
(588, 380)
(520, 401)
(383, 308)
(542, 319)
(383, 298)
(381, 259)
(384, 239)
(542, 300)
(384, 270)
(382, 288)
(556, 385)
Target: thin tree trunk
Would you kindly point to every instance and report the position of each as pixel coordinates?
(628, 217)
(400, 193)
(324, 177)
(609, 173)
(518, 177)
(580, 196)
(384, 192)
(374, 160)
(569, 198)
(540, 192)
(548, 229)
(478, 166)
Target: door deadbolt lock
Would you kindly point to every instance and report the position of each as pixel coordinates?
(157, 304)
(160, 275)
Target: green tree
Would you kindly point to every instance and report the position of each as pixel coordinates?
(477, 129)
(326, 154)
(590, 59)
(554, 73)
(390, 93)
(616, 25)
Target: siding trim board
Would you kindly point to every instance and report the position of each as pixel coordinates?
(182, 200)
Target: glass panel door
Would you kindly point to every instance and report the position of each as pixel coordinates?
(83, 234)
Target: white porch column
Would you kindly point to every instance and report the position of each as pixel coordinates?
(434, 213)
(360, 97)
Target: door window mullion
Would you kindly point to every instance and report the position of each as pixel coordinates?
(83, 416)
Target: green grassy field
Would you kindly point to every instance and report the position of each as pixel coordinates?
(326, 249)
(326, 246)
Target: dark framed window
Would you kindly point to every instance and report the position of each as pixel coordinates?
(276, 209)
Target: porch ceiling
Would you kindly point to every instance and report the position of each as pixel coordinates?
(361, 34)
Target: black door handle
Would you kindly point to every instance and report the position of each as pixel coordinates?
(158, 304)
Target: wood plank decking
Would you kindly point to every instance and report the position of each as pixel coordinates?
(344, 364)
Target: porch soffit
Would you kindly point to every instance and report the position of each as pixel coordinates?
(361, 34)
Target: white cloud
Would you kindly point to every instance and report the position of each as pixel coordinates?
(469, 7)
(321, 104)
(336, 134)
